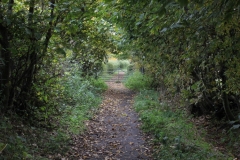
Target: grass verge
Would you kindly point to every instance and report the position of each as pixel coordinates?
(47, 134)
(175, 137)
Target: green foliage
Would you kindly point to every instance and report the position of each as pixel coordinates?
(174, 135)
(69, 34)
(55, 40)
(189, 47)
(123, 64)
(110, 68)
(114, 65)
(138, 81)
(98, 85)
(70, 102)
(11, 142)
(130, 69)
(186, 46)
(81, 97)
(22, 141)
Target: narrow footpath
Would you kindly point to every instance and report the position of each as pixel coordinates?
(114, 133)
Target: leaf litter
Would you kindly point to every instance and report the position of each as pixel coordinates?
(113, 133)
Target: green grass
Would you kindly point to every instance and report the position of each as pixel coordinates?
(114, 65)
(99, 85)
(137, 81)
(82, 97)
(72, 101)
(175, 137)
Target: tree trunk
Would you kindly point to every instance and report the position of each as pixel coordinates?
(225, 96)
(49, 32)
(33, 53)
(5, 84)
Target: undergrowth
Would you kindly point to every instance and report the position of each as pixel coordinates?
(137, 81)
(175, 137)
(69, 102)
(83, 101)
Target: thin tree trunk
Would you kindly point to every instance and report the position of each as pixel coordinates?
(6, 57)
(49, 32)
(32, 57)
(33, 53)
(225, 96)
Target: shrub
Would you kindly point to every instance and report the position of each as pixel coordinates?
(81, 96)
(104, 67)
(98, 84)
(114, 65)
(123, 64)
(110, 68)
(130, 68)
(138, 81)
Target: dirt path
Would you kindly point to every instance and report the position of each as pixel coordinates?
(114, 134)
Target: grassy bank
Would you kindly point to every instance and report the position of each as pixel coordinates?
(48, 134)
(175, 136)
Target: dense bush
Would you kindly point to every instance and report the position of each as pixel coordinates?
(130, 68)
(98, 85)
(123, 64)
(138, 81)
(110, 68)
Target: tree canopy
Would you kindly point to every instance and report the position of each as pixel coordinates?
(35, 38)
(52, 51)
(190, 48)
